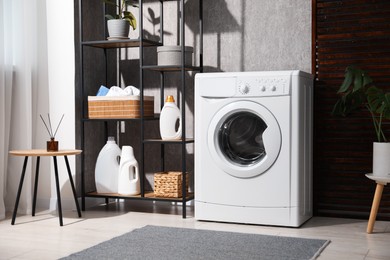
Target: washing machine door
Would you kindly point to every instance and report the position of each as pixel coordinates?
(244, 139)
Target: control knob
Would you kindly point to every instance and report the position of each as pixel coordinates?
(244, 89)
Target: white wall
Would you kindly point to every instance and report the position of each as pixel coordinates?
(61, 73)
(42, 107)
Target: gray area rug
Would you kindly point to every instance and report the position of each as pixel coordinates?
(154, 242)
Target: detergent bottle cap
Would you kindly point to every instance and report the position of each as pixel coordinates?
(111, 139)
(170, 99)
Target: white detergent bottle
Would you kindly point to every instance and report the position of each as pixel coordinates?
(128, 181)
(169, 115)
(107, 166)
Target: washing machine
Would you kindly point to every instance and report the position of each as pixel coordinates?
(253, 147)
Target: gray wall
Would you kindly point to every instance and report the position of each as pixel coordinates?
(247, 35)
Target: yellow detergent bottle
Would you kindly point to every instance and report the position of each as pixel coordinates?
(169, 116)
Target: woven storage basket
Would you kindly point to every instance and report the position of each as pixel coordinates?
(169, 184)
(119, 107)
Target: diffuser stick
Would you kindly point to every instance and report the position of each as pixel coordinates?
(45, 125)
(51, 130)
(58, 125)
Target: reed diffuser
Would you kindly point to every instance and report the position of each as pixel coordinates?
(52, 145)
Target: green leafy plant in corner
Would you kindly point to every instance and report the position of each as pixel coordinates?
(358, 91)
(123, 13)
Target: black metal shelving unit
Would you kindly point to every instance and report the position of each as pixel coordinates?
(142, 44)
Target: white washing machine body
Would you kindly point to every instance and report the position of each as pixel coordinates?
(253, 147)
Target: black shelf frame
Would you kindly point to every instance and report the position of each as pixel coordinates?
(148, 196)
(115, 44)
(156, 117)
(180, 141)
(142, 43)
(171, 68)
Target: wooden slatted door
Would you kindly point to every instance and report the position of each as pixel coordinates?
(348, 32)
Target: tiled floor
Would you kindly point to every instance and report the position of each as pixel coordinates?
(41, 237)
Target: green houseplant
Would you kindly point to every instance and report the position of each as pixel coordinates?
(119, 24)
(356, 92)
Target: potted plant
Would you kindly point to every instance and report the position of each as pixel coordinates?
(358, 91)
(118, 25)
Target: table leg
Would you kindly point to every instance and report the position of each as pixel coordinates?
(19, 190)
(375, 206)
(58, 190)
(72, 184)
(36, 185)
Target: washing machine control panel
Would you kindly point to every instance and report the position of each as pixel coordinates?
(263, 86)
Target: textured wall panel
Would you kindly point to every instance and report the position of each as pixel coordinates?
(349, 32)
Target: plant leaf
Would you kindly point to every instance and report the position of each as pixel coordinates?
(358, 80)
(375, 97)
(347, 81)
(379, 101)
(348, 103)
(357, 100)
(337, 108)
(128, 16)
(386, 103)
(366, 79)
(359, 91)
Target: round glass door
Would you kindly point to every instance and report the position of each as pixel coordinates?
(240, 138)
(244, 139)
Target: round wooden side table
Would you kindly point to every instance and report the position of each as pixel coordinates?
(380, 183)
(38, 153)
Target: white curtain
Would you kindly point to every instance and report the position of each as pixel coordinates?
(23, 66)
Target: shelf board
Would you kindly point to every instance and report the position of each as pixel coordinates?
(188, 140)
(106, 44)
(170, 68)
(155, 117)
(148, 196)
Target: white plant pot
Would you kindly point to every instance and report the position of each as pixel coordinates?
(118, 29)
(381, 159)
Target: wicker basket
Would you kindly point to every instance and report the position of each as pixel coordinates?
(169, 184)
(119, 107)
